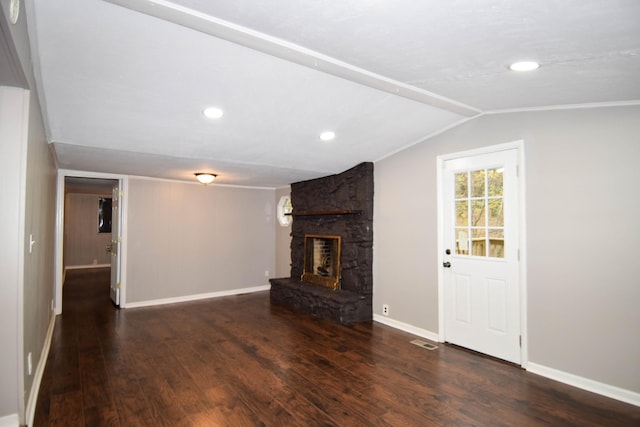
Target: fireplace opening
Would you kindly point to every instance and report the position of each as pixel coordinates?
(322, 260)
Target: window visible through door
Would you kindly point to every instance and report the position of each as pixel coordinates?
(479, 210)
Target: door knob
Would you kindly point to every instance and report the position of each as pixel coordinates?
(446, 264)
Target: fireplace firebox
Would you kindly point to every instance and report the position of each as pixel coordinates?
(322, 260)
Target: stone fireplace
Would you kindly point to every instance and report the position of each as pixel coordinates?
(331, 247)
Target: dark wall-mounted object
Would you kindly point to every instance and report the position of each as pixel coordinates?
(335, 205)
(104, 215)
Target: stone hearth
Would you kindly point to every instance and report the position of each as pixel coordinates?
(336, 205)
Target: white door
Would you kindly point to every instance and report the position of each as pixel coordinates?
(480, 261)
(116, 242)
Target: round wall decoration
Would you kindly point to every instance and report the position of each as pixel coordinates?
(14, 11)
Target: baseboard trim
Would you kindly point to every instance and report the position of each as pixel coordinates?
(196, 297)
(407, 328)
(37, 378)
(10, 421)
(84, 267)
(607, 390)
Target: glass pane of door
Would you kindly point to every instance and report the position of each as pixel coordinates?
(479, 223)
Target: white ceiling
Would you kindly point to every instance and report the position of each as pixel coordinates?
(123, 82)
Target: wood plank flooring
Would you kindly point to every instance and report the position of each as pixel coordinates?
(239, 361)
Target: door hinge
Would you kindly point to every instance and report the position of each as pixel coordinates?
(520, 340)
(518, 254)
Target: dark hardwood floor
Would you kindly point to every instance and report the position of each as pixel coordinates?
(239, 361)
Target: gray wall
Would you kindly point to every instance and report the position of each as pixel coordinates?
(187, 239)
(283, 241)
(582, 231)
(83, 245)
(28, 189)
(40, 215)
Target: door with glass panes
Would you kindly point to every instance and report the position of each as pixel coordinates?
(480, 264)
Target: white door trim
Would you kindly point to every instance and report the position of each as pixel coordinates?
(59, 233)
(519, 146)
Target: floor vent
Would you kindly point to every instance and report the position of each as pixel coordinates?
(424, 344)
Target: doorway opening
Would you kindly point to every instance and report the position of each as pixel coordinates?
(88, 229)
(87, 222)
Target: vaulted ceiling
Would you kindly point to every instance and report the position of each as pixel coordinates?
(123, 83)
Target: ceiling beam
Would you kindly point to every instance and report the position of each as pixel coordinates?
(291, 52)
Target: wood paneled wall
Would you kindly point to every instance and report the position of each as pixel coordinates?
(83, 245)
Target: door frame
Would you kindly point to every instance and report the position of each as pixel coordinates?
(522, 275)
(59, 232)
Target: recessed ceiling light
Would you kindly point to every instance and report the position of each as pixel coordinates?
(213, 113)
(327, 135)
(524, 66)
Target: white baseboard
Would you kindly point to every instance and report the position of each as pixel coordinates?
(83, 267)
(187, 298)
(407, 328)
(607, 390)
(37, 378)
(10, 421)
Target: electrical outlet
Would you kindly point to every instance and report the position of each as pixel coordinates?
(385, 309)
(266, 273)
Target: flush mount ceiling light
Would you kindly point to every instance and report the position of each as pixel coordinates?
(205, 177)
(327, 135)
(213, 112)
(524, 66)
